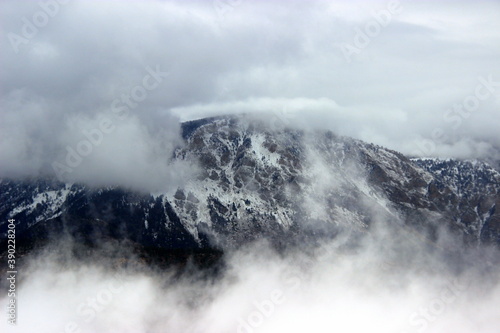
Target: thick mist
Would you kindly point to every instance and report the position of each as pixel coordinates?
(96, 95)
(70, 69)
(388, 282)
(381, 277)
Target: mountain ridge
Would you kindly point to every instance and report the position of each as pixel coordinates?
(276, 183)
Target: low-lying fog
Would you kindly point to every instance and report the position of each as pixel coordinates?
(390, 283)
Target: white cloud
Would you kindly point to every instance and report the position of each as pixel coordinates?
(388, 284)
(251, 57)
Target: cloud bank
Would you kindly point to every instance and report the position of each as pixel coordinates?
(419, 77)
(387, 284)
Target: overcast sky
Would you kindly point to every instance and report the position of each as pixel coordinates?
(421, 77)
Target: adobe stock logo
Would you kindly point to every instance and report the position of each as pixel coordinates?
(265, 309)
(280, 119)
(469, 106)
(119, 107)
(371, 30)
(224, 7)
(30, 27)
(424, 317)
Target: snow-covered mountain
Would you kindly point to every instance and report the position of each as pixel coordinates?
(283, 184)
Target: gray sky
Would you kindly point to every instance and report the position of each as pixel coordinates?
(409, 75)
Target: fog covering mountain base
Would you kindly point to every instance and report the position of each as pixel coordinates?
(317, 232)
(256, 180)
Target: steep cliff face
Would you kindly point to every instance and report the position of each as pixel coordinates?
(281, 184)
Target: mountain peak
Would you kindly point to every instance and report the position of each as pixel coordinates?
(257, 181)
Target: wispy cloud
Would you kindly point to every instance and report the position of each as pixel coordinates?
(265, 56)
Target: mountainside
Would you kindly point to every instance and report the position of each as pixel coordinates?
(283, 184)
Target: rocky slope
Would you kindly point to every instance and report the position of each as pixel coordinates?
(281, 184)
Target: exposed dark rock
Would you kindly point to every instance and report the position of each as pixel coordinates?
(282, 185)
